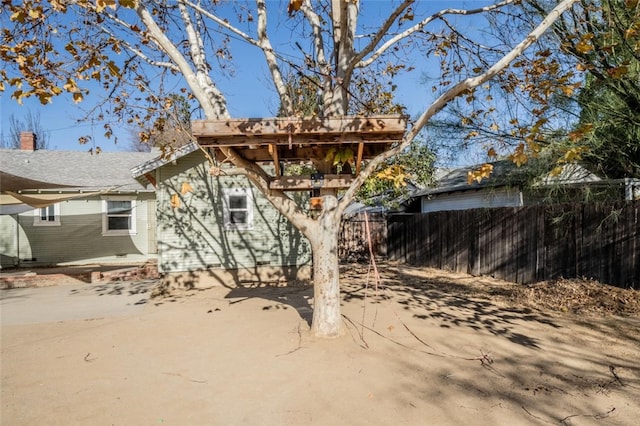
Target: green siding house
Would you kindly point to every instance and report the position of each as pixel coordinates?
(218, 227)
(63, 208)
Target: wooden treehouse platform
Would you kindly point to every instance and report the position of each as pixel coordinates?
(302, 140)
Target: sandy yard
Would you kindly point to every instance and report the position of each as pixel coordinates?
(430, 348)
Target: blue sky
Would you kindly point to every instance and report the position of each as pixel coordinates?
(249, 93)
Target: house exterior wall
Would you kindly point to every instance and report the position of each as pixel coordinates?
(77, 239)
(191, 231)
(483, 198)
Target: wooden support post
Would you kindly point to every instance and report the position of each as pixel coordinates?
(273, 151)
(359, 158)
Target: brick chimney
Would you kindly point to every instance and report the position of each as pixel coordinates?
(27, 141)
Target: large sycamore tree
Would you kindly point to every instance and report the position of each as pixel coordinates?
(126, 46)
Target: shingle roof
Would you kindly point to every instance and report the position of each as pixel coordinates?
(505, 173)
(75, 169)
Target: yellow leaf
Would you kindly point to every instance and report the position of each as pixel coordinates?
(35, 13)
(103, 4)
(129, 4)
(556, 171)
(492, 153)
(77, 97)
(186, 188)
(70, 85)
(567, 90)
(175, 201)
(471, 134)
(584, 45)
(477, 175)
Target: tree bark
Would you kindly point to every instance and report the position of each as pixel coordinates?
(327, 320)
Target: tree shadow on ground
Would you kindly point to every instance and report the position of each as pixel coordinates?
(277, 297)
(448, 301)
(144, 288)
(545, 368)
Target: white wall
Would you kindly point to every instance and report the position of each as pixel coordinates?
(484, 198)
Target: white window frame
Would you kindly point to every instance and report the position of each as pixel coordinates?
(37, 216)
(105, 216)
(229, 225)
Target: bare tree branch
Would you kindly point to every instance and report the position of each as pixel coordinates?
(420, 25)
(457, 90)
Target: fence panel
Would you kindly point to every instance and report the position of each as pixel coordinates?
(525, 244)
(354, 244)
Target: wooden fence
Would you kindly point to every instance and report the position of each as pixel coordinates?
(525, 244)
(354, 244)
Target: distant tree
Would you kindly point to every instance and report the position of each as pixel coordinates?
(575, 96)
(604, 39)
(171, 127)
(30, 123)
(413, 166)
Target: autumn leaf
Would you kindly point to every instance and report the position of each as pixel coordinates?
(129, 4)
(584, 45)
(103, 4)
(175, 201)
(519, 156)
(574, 154)
(113, 69)
(556, 171)
(35, 12)
(580, 132)
(186, 188)
(481, 173)
(396, 174)
(294, 6)
(618, 72)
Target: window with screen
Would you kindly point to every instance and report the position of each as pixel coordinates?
(238, 209)
(118, 216)
(47, 216)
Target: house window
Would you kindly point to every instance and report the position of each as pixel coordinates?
(118, 216)
(47, 216)
(238, 209)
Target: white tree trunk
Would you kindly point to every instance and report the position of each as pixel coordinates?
(327, 320)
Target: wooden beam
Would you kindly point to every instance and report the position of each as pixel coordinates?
(285, 126)
(273, 152)
(303, 182)
(293, 140)
(151, 179)
(299, 153)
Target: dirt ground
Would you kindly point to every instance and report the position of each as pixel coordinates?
(425, 347)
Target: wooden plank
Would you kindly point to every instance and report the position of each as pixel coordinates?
(389, 124)
(303, 182)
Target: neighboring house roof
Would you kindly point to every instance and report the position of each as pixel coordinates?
(505, 173)
(33, 179)
(141, 170)
(69, 170)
